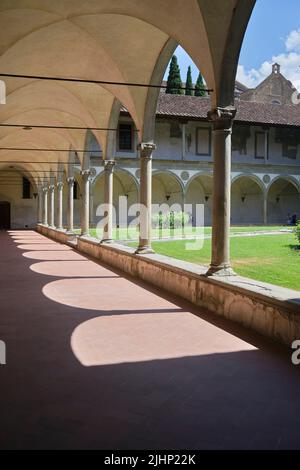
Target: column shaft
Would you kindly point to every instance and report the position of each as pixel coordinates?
(60, 205)
(222, 126)
(51, 206)
(45, 206)
(70, 215)
(265, 209)
(146, 150)
(108, 200)
(85, 220)
(40, 206)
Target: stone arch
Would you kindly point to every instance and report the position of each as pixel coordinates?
(247, 200)
(199, 191)
(283, 198)
(126, 185)
(167, 188)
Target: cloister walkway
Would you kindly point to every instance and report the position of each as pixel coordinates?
(98, 360)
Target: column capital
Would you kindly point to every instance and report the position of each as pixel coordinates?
(70, 180)
(222, 118)
(86, 174)
(146, 149)
(59, 185)
(45, 189)
(109, 165)
(51, 188)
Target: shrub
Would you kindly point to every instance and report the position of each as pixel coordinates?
(170, 220)
(297, 231)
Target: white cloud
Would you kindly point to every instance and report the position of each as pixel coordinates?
(289, 62)
(292, 42)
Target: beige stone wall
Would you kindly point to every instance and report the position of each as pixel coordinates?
(23, 211)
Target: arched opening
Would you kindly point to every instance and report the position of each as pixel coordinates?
(283, 200)
(199, 191)
(166, 189)
(246, 201)
(4, 215)
(17, 190)
(125, 187)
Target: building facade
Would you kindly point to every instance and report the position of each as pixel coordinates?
(265, 178)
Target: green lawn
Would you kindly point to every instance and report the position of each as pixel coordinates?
(269, 258)
(131, 233)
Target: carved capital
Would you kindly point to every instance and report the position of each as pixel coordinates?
(109, 165)
(51, 188)
(70, 181)
(86, 175)
(146, 149)
(60, 185)
(45, 189)
(222, 118)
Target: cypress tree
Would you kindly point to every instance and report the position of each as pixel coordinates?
(189, 82)
(199, 85)
(174, 79)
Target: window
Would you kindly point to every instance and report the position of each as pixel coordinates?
(26, 189)
(259, 145)
(75, 190)
(203, 141)
(175, 130)
(240, 136)
(125, 137)
(289, 138)
(289, 149)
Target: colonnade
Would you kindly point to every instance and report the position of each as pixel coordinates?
(222, 124)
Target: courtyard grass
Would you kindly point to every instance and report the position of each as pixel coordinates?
(269, 258)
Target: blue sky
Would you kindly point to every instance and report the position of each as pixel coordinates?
(273, 34)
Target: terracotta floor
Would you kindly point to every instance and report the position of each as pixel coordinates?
(96, 360)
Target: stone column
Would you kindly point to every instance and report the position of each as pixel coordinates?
(146, 150)
(51, 206)
(60, 186)
(70, 215)
(108, 200)
(40, 205)
(45, 208)
(85, 214)
(265, 208)
(91, 205)
(222, 119)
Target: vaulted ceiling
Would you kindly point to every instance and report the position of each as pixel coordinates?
(105, 40)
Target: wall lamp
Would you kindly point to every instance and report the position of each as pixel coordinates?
(206, 198)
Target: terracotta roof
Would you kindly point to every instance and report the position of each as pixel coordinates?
(247, 111)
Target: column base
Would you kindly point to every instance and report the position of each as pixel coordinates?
(220, 271)
(144, 250)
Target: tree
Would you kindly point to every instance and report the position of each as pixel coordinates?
(199, 87)
(174, 79)
(189, 82)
